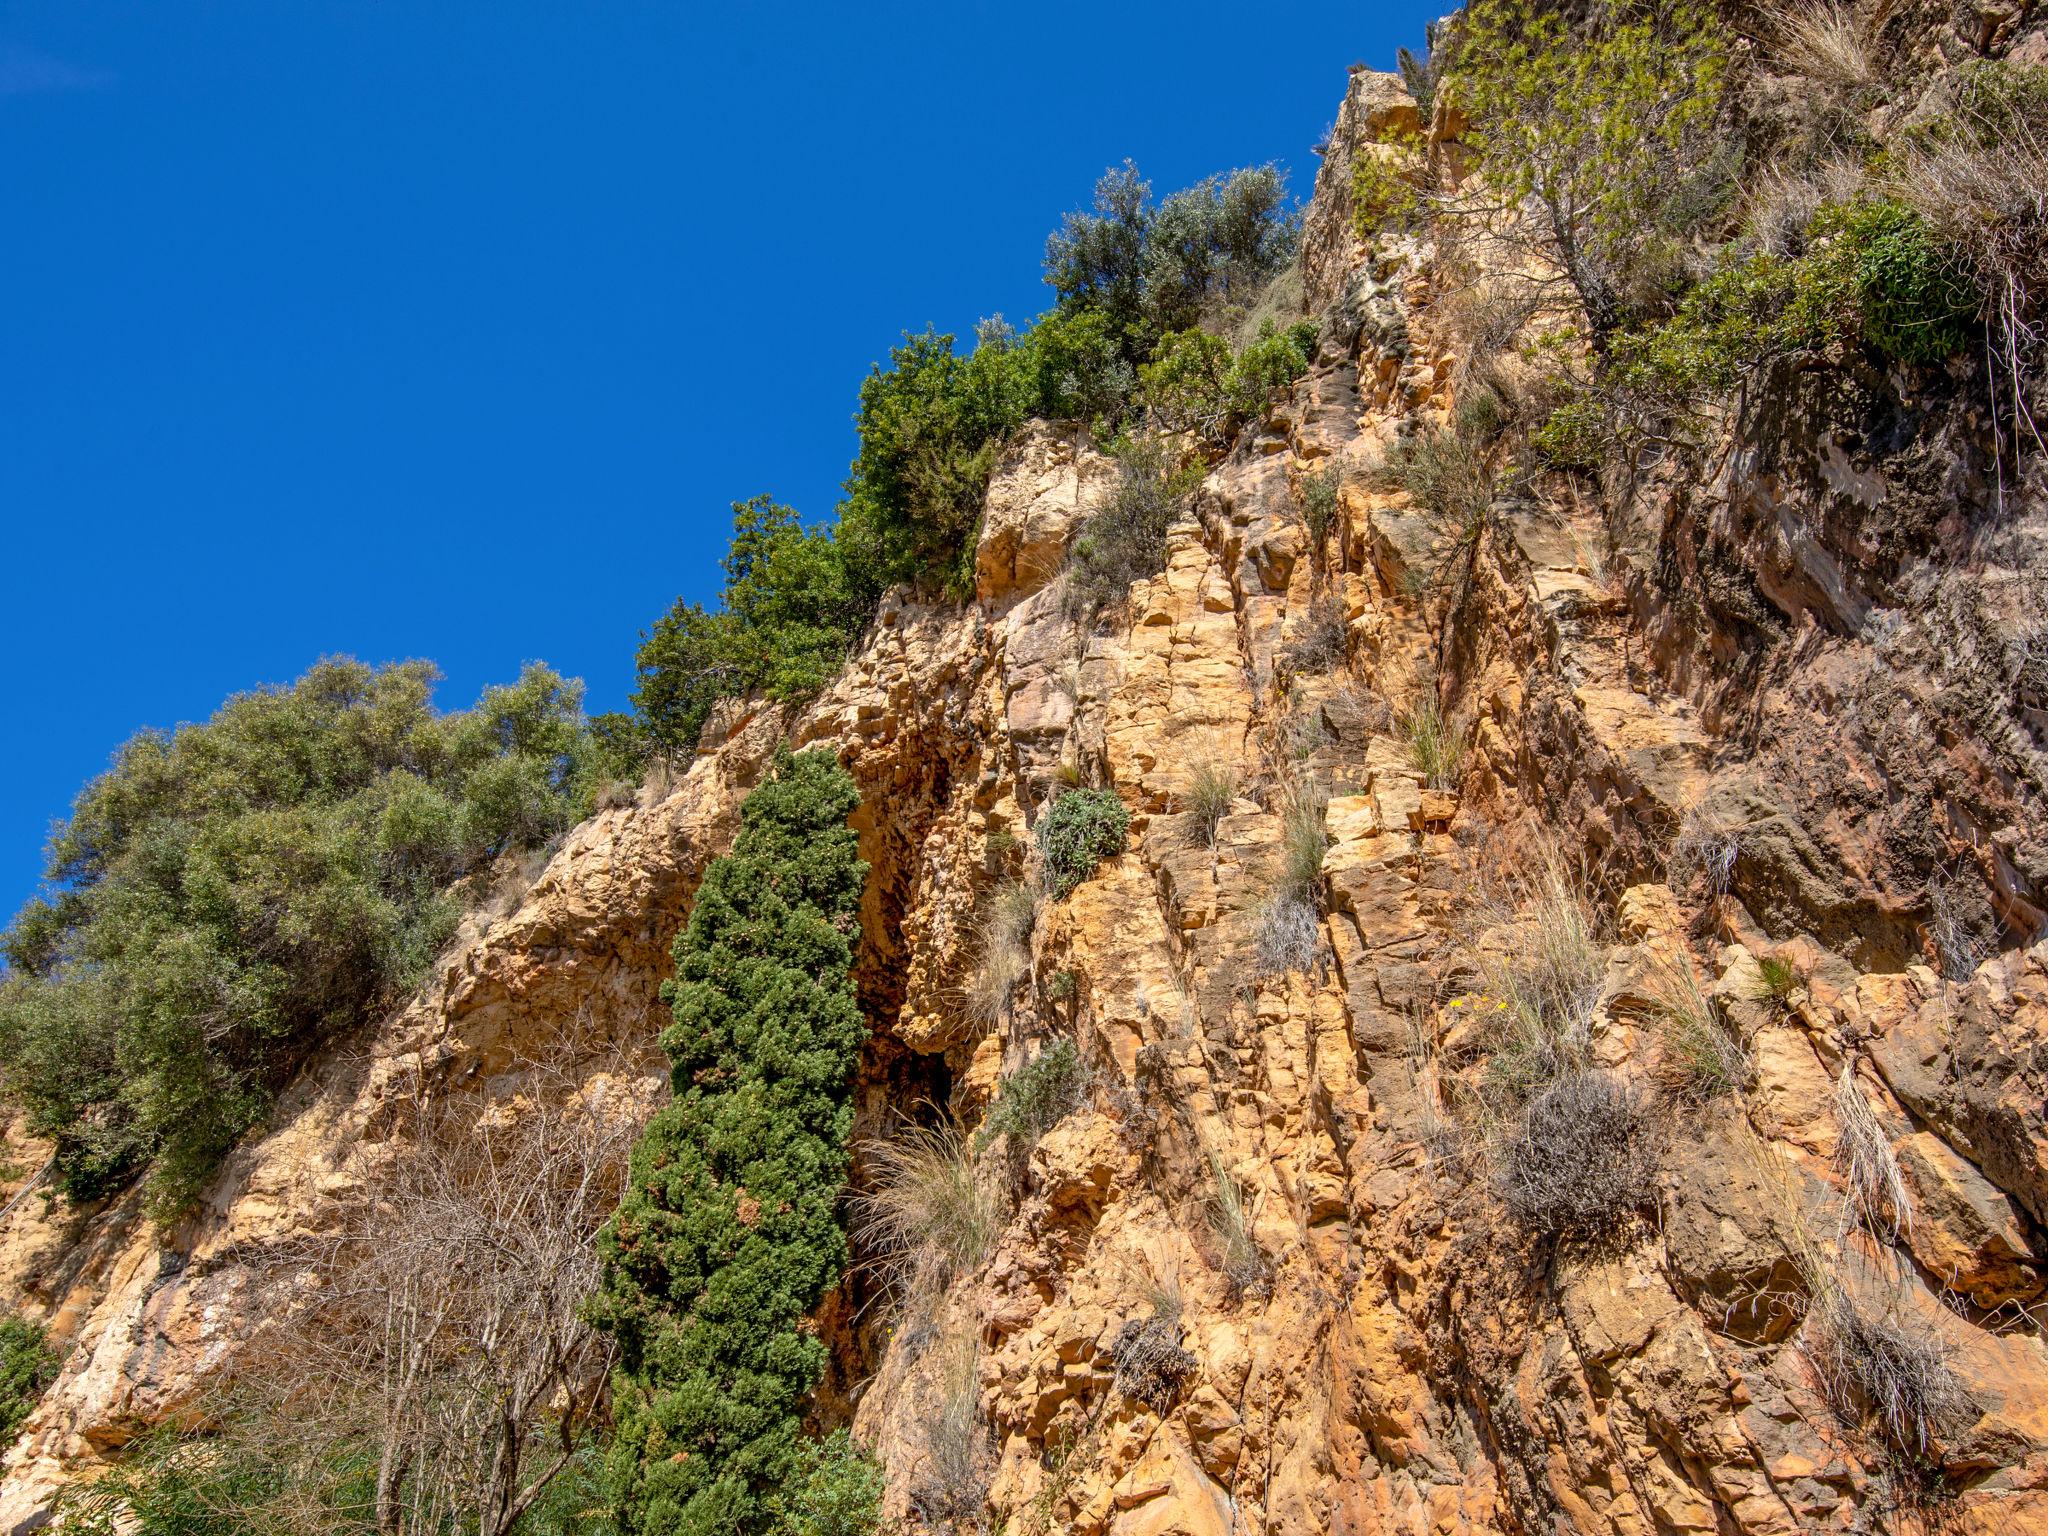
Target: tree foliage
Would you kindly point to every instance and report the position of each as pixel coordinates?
(27, 1366)
(729, 1233)
(229, 894)
(1609, 129)
(786, 616)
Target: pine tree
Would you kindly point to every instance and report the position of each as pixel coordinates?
(729, 1234)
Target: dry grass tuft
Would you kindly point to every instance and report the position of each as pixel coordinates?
(1697, 1057)
(924, 1207)
(1003, 960)
(1828, 44)
(1873, 1190)
(1229, 1214)
(1212, 787)
(1881, 1371)
(950, 1478)
(1436, 743)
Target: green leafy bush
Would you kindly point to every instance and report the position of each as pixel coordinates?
(229, 895)
(1126, 541)
(1037, 1096)
(787, 615)
(1081, 829)
(1906, 292)
(1387, 188)
(929, 428)
(27, 1366)
(729, 1233)
(837, 1492)
(1194, 385)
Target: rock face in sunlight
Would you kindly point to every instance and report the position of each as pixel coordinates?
(1563, 1047)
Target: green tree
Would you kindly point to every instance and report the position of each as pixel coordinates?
(930, 425)
(785, 618)
(27, 1366)
(228, 895)
(729, 1234)
(1609, 128)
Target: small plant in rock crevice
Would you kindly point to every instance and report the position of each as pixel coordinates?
(1080, 829)
(1583, 1159)
(1212, 788)
(1036, 1097)
(1436, 743)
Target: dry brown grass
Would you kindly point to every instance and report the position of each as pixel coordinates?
(1003, 953)
(1830, 44)
(924, 1207)
(1873, 1189)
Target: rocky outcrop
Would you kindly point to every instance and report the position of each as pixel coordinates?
(1262, 1279)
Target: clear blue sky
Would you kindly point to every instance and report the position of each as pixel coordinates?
(420, 329)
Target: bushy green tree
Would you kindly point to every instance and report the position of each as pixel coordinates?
(1150, 271)
(729, 1234)
(1194, 385)
(785, 618)
(230, 894)
(930, 425)
(1608, 126)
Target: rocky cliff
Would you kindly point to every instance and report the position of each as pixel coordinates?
(1769, 739)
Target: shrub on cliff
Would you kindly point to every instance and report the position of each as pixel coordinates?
(786, 616)
(1193, 259)
(729, 1233)
(228, 895)
(1125, 542)
(1610, 129)
(1081, 829)
(1583, 1158)
(1194, 385)
(27, 1366)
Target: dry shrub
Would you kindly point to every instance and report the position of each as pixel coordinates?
(1151, 1367)
(442, 1321)
(1583, 1160)
(950, 1477)
(924, 1209)
(1873, 1189)
(1212, 787)
(1289, 936)
(1959, 946)
(1319, 644)
(1883, 1372)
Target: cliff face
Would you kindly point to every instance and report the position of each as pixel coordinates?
(1263, 1278)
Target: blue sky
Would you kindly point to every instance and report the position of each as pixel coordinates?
(422, 329)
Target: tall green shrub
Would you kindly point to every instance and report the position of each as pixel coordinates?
(729, 1234)
(27, 1366)
(230, 894)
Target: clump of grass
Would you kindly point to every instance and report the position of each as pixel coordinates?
(1447, 476)
(1207, 800)
(1698, 1058)
(1873, 1189)
(1828, 44)
(1229, 1215)
(1037, 1097)
(1779, 978)
(924, 1208)
(1436, 743)
(1003, 959)
(1551, 982)
(1583, 1159)
(1303, 842)
(1705, 851)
